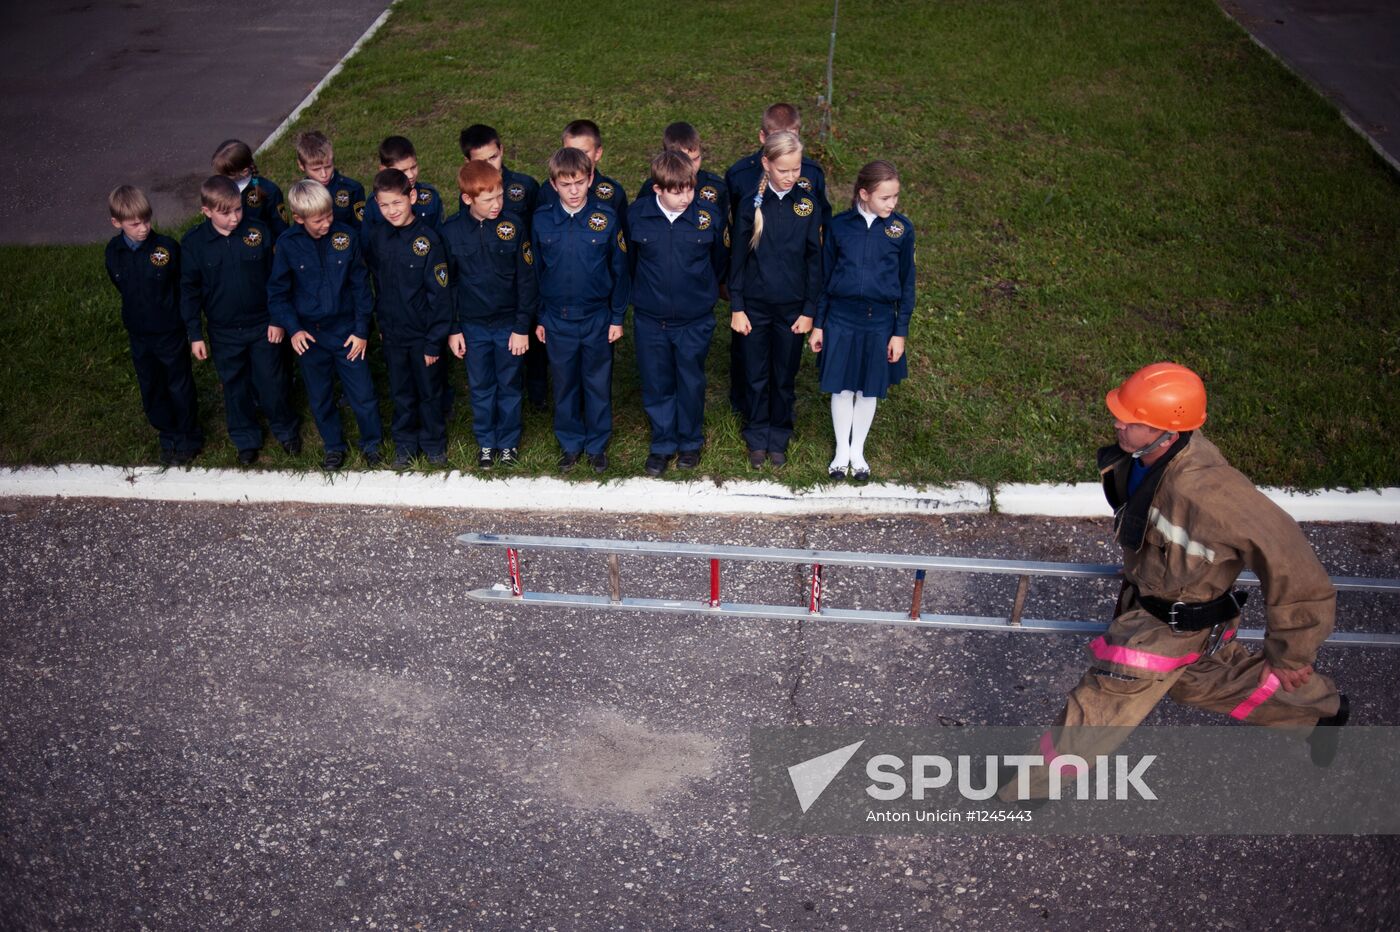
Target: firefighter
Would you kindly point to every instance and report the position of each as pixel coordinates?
(1189, 523)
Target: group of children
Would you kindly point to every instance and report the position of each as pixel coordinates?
(529, 284)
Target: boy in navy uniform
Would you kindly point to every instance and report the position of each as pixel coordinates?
(581, 257)
(226, 262)
(495, 298)
(414, 309)
(397, 152)
(145, 268)
(679, 248)
(710, 189)
(319, 293)
(316, 159)
(522, 193)
(262, 200)
(585, 136)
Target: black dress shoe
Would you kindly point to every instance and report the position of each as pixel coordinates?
(688, 459)
(292, 446)
(836, 473)
(402, 459)
(599, 462)
(437, 459)
(1322, 743)
(757, 458)
(568, 461)
(248, 457)
(333, 460)
(777, 457)
(373, 459)
(656, 464)
(861, 475)
(182, 457)
(485, 459)
(167, 457)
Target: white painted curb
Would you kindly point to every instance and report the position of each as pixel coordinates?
(455, 490)
(1085, 500)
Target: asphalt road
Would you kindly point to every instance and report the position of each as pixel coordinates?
(93, 95)
(293, 718)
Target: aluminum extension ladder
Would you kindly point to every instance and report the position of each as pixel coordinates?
(814, 609)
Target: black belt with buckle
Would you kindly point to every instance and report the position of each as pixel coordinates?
(1194, 616)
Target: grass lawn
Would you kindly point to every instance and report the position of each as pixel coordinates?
(1095, 186)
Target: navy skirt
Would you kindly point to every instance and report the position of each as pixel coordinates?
(855, 345)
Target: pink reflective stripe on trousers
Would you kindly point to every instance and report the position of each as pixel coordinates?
(1256, 698)
(1129, 657)
(1047, 751)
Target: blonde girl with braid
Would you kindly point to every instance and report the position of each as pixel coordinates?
(775, 279)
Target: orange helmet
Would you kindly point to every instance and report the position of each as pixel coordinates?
(1163, 395)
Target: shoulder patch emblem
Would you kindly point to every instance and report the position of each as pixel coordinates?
(253, 237)
(360, 211)
(895, 229)
(252, 195)
(421, 246)
(604, 191)
(440, 273)
(526, 252)
(282, 212)
(597, 222)
(802, 207)
(703, 219)
(505, 230)
(515, 191)
(342, 198)
(424, 196)
(621, 241)
(708, 193)
(340, 241)
(726, 237)
(804, 183)
(160, 257)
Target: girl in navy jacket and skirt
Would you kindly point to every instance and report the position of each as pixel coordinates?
(863, 313)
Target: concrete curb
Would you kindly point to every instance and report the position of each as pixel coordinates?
(627, 496)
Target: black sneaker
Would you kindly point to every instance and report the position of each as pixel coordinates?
(568, 461)
(334, 459)
(248, 457)
(402, 460)
(656, 464)
(688, 459)
(509, 456)
(777, 457)
(1322, 743)
(437, 459)
(373, 459)
(599, 462)
(757, 458)
(484, 459)
(292, 446)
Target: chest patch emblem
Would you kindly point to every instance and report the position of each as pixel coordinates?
(421, 246)
(802, 207)
(895, 229)
(604, 191)
(340, 241)
(160, 257)
(253, 237)
(342, 198)
(516, 191)
(708, 193)
(703, 219)
(597, 222)
(505, 230)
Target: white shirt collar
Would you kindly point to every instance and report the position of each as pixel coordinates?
(243, 183)
(575, 212)
(780, 194)
(869, 217)
(671, 215)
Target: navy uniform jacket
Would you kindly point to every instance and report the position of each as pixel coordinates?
(522, 196)
(412, 300)
(605, 191)
(710, 191)
(677, 267)
(148, 279)
(427, 206)
(744, 175)
(787, 269)
(225, 277)
(872, 265)
(347, 200)
(581, 261)
(262, 201)
(492, 267)
(305, 287)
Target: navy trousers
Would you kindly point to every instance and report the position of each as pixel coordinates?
(495, 379)
(166, 381)
(580, 364)
(254, 375)
(738, 389)
(772, 353)
(671, 363)
(416, 389)
(320, 364)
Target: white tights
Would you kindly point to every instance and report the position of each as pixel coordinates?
(851, 416)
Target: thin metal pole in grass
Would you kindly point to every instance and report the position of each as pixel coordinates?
(824, 102)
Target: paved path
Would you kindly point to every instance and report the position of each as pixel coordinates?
(96, 94)
(1348, 49)
(290, 717)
